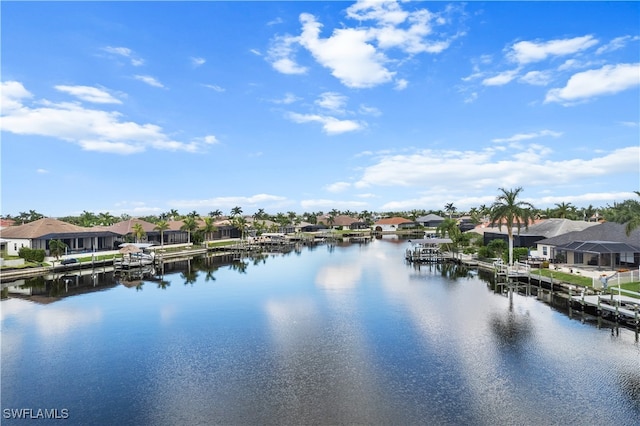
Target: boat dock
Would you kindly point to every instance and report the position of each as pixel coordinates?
(619, 306)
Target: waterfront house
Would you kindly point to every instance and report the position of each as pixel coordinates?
(603, 245)
(430, 220)
(125, 229)
(38, 234)
(539, 230)
(342, 222)
(393, 224)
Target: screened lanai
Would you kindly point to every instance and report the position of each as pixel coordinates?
(601, 254)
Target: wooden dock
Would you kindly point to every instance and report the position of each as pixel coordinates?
(620, 307)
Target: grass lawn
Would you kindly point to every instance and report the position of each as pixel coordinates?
(564, 277)
(635, 286)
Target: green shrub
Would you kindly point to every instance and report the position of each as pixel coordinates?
(31, 255)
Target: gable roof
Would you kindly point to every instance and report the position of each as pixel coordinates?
(607, 231)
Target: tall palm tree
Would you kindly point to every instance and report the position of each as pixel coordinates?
(208, 227)
(450, 209)
(161, 226)
(509, 211)
(240, 222)
(189, 224)
(627, 212)
(138, 232)
(215, 214)
(449, 228)
(236, 211)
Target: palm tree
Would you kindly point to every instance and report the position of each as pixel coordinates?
(564, 210)
(450, 209)
(34, 215)
(161, 226)
(240, 222)
(627, 212)
(509, 211)
(189, 224)
(106, 219)
(449, 228)
(57, 248)
(138, 232)
(236, 211)
(208, 227)
(173, 214)
(215, 214)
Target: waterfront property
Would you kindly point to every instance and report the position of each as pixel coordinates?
(604, 245)
(335, 334)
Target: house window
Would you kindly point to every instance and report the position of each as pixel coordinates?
(544, 250)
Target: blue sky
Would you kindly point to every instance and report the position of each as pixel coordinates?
(143, 107)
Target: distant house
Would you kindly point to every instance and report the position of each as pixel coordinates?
(392, 224)
(430, 220)
(342, 222)
(604, 245)
(466, 223)
(540, 230)
(125, 230)
(310, 227)
(38, 234)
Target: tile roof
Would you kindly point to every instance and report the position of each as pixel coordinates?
(393, 221)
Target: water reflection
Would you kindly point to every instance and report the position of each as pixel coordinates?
(346, 335)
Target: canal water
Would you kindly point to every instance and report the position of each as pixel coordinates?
(333, 334)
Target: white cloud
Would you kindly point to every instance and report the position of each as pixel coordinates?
(369, 110)
(401, 84)
(347, 53)
(525, 136)
(537, 78)
(196, 61)
(280, 55)
(125, 52)
(288, 99)
(607, 80)
(338, 187)
(356, 55)
(501, 79)
(214, 87)
(525, 52)
(330, 125)
(616, 44)
(332, 101)
(324, 204)
(91, 129)
(42, 171)
(383, 11)
(89, 94)
(151, 81)
(258, 200)
(447, 170)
